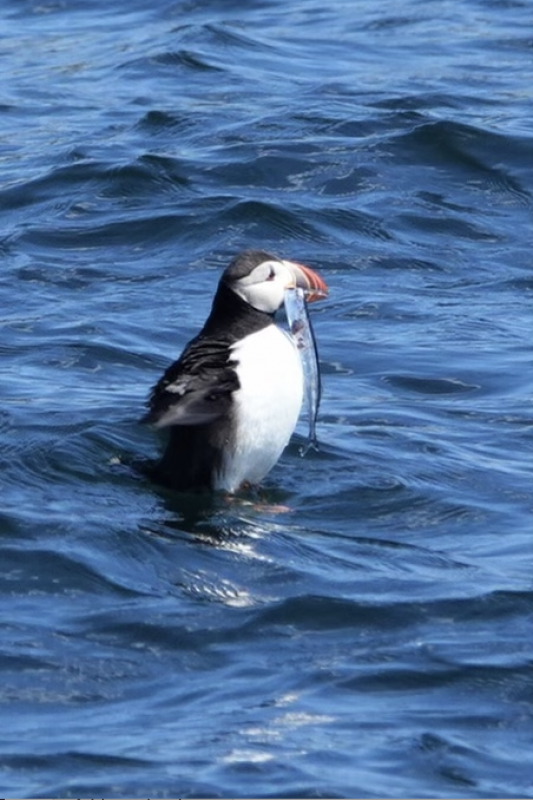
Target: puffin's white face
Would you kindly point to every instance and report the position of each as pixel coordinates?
(264, 287)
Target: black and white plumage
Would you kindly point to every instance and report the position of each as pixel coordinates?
(232, 399)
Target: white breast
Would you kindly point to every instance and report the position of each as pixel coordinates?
(266, 407)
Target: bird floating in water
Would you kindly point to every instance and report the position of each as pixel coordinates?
(232, 399)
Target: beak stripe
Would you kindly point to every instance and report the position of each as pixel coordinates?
(308, 280)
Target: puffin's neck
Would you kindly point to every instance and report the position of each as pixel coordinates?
(234, 317)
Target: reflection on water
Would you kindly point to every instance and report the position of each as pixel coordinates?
(367, 612)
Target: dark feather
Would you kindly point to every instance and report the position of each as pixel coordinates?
(192, 456)
(195, 389)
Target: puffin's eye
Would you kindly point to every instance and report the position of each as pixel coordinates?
(271, 274)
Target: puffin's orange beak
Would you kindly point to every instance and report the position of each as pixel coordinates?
(308, 280)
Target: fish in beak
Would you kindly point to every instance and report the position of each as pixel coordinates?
(308, 280)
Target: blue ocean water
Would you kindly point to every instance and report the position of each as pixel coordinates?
(363, 629)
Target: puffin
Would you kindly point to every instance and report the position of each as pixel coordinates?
(231, 401)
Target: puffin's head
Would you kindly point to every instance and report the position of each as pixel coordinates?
(261, 279)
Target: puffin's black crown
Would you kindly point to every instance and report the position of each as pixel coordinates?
(244, 263)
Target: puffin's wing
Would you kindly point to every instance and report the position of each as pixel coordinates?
(196, 389)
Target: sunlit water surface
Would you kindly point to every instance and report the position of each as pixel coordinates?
(363, 627)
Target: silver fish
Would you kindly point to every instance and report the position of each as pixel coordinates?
(304, 338)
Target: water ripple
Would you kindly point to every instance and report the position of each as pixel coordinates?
(368, 610)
